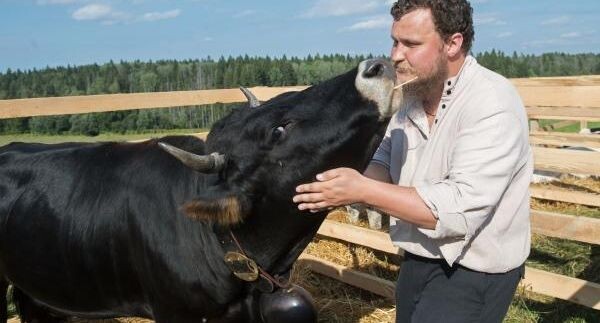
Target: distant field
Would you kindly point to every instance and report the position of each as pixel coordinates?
(47, 139)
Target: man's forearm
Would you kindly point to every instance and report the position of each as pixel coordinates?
(400, 202)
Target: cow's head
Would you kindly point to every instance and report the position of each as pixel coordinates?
(263, 151)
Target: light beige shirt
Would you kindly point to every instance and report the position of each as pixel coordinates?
(472, 169)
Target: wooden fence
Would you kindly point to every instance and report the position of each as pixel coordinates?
(568, 98)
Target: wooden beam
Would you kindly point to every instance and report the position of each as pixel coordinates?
(349, 276)
(350, 233)
(567, 161)
(117, 102)
(560, 96)
(564, 139)
(577, 228)
(564, 112)
(582, 198)
(539, 98)
(538, 281)
(567, 288)
(557, 81)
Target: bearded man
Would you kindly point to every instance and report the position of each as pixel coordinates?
(453, 170)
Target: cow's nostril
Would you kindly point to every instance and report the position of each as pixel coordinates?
(373, 70)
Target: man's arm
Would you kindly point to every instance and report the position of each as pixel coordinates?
(343, 186)
(378, 172)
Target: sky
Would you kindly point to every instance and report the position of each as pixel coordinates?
(40, 33)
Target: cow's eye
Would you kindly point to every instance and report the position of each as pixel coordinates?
(278, 133)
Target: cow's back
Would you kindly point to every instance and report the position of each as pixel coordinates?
(75, 220)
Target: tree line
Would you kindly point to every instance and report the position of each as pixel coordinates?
(208, 73)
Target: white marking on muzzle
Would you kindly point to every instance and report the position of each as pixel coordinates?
(379, 89)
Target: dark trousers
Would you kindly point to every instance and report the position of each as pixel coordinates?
(429, 290)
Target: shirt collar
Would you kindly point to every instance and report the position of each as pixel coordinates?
(414, 108)
(450, 83)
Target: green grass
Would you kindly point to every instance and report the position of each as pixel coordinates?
(574, 128)
(50, 139)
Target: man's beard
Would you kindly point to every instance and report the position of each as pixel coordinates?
(425, 84)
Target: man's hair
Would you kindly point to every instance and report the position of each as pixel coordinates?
(449, 17)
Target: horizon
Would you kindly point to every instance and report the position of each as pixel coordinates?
(36, 34)
(216, 59)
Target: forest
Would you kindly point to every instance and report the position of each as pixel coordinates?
(209, 73)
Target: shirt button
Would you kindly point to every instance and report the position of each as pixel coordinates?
(448, 92)
(436, 121)
(443, 106)
(449, 82)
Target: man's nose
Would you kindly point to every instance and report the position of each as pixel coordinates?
(398, 54)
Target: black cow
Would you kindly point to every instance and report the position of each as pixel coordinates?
(141, 229)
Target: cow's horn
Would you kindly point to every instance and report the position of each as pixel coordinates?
(252, 100)
(202, 163)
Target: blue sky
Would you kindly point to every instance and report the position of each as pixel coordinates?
(40, 33)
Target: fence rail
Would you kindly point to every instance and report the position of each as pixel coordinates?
(545, 98)
(567, 288)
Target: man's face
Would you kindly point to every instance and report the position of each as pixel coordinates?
(418, 51)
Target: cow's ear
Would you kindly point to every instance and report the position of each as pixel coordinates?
(222, 208)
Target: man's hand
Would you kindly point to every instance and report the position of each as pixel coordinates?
(336, 187)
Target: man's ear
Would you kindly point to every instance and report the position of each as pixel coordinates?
(223, 207)
(454, 44)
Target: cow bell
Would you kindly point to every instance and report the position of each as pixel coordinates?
(289, 305)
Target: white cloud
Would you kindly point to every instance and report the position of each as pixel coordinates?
(244, 13)
(571, 35)
(375, 22)
(556, 21)
(327, 8)
(92, 12)
(154, 16)
(504, 34)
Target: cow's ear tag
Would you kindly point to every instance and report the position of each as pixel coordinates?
(241, 266)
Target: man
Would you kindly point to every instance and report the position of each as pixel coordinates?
(453, 170)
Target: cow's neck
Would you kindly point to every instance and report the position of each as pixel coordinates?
(276, 239)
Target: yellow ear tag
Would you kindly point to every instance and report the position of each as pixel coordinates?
(241, 266)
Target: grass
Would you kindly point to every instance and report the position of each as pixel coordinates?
(52, 139)
(574, 128)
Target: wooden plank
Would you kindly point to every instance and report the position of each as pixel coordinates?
(560, 96)
(117, 102)
(567, 161)
(564, 139)
(369, 238)
(567, 288)
(349, 276)
(582, 198)
(557, 81)
(538, 281)
(577, 228)
(564, 112)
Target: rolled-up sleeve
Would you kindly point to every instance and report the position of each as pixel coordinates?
(484, 159)
(383, 153)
